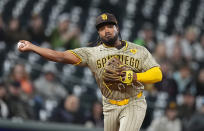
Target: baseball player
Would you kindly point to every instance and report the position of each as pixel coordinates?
(120, 67)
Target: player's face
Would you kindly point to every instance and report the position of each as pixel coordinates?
(108, 34)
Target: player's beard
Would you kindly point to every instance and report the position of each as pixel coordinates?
(110, 41)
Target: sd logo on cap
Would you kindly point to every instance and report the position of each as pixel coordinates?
(105, 18)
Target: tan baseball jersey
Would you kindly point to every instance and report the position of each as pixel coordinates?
(131, 54)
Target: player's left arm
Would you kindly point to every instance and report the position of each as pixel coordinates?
(152, 75)
(152, 72)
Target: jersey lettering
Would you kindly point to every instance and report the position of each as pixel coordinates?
(137, 63)
(127, 60)
(98, 62)
(104, 61)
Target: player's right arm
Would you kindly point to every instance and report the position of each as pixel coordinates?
(64, 57)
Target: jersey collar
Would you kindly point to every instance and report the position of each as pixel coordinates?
(123, 48)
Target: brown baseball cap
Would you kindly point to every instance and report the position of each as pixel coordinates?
(105, 18)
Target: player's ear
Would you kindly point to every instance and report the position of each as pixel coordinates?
(98, 32)
(117, 28)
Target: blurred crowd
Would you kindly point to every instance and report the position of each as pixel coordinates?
(176, 103)
(43, 98)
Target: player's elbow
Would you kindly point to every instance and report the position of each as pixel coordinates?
(158, 75)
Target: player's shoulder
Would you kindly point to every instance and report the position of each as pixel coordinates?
(135, 46)
(88, 50)
(95, 48)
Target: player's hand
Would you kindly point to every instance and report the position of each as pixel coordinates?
(24, 46)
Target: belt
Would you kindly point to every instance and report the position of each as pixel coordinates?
(124, 101)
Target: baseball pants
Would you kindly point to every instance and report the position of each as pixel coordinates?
(124, 118)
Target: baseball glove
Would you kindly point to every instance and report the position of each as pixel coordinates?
(116, 75)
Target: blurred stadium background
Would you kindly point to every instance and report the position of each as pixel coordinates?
(36, 94)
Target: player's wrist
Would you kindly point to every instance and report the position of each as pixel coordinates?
(33, 47)
(134, 77)
(128, 79)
